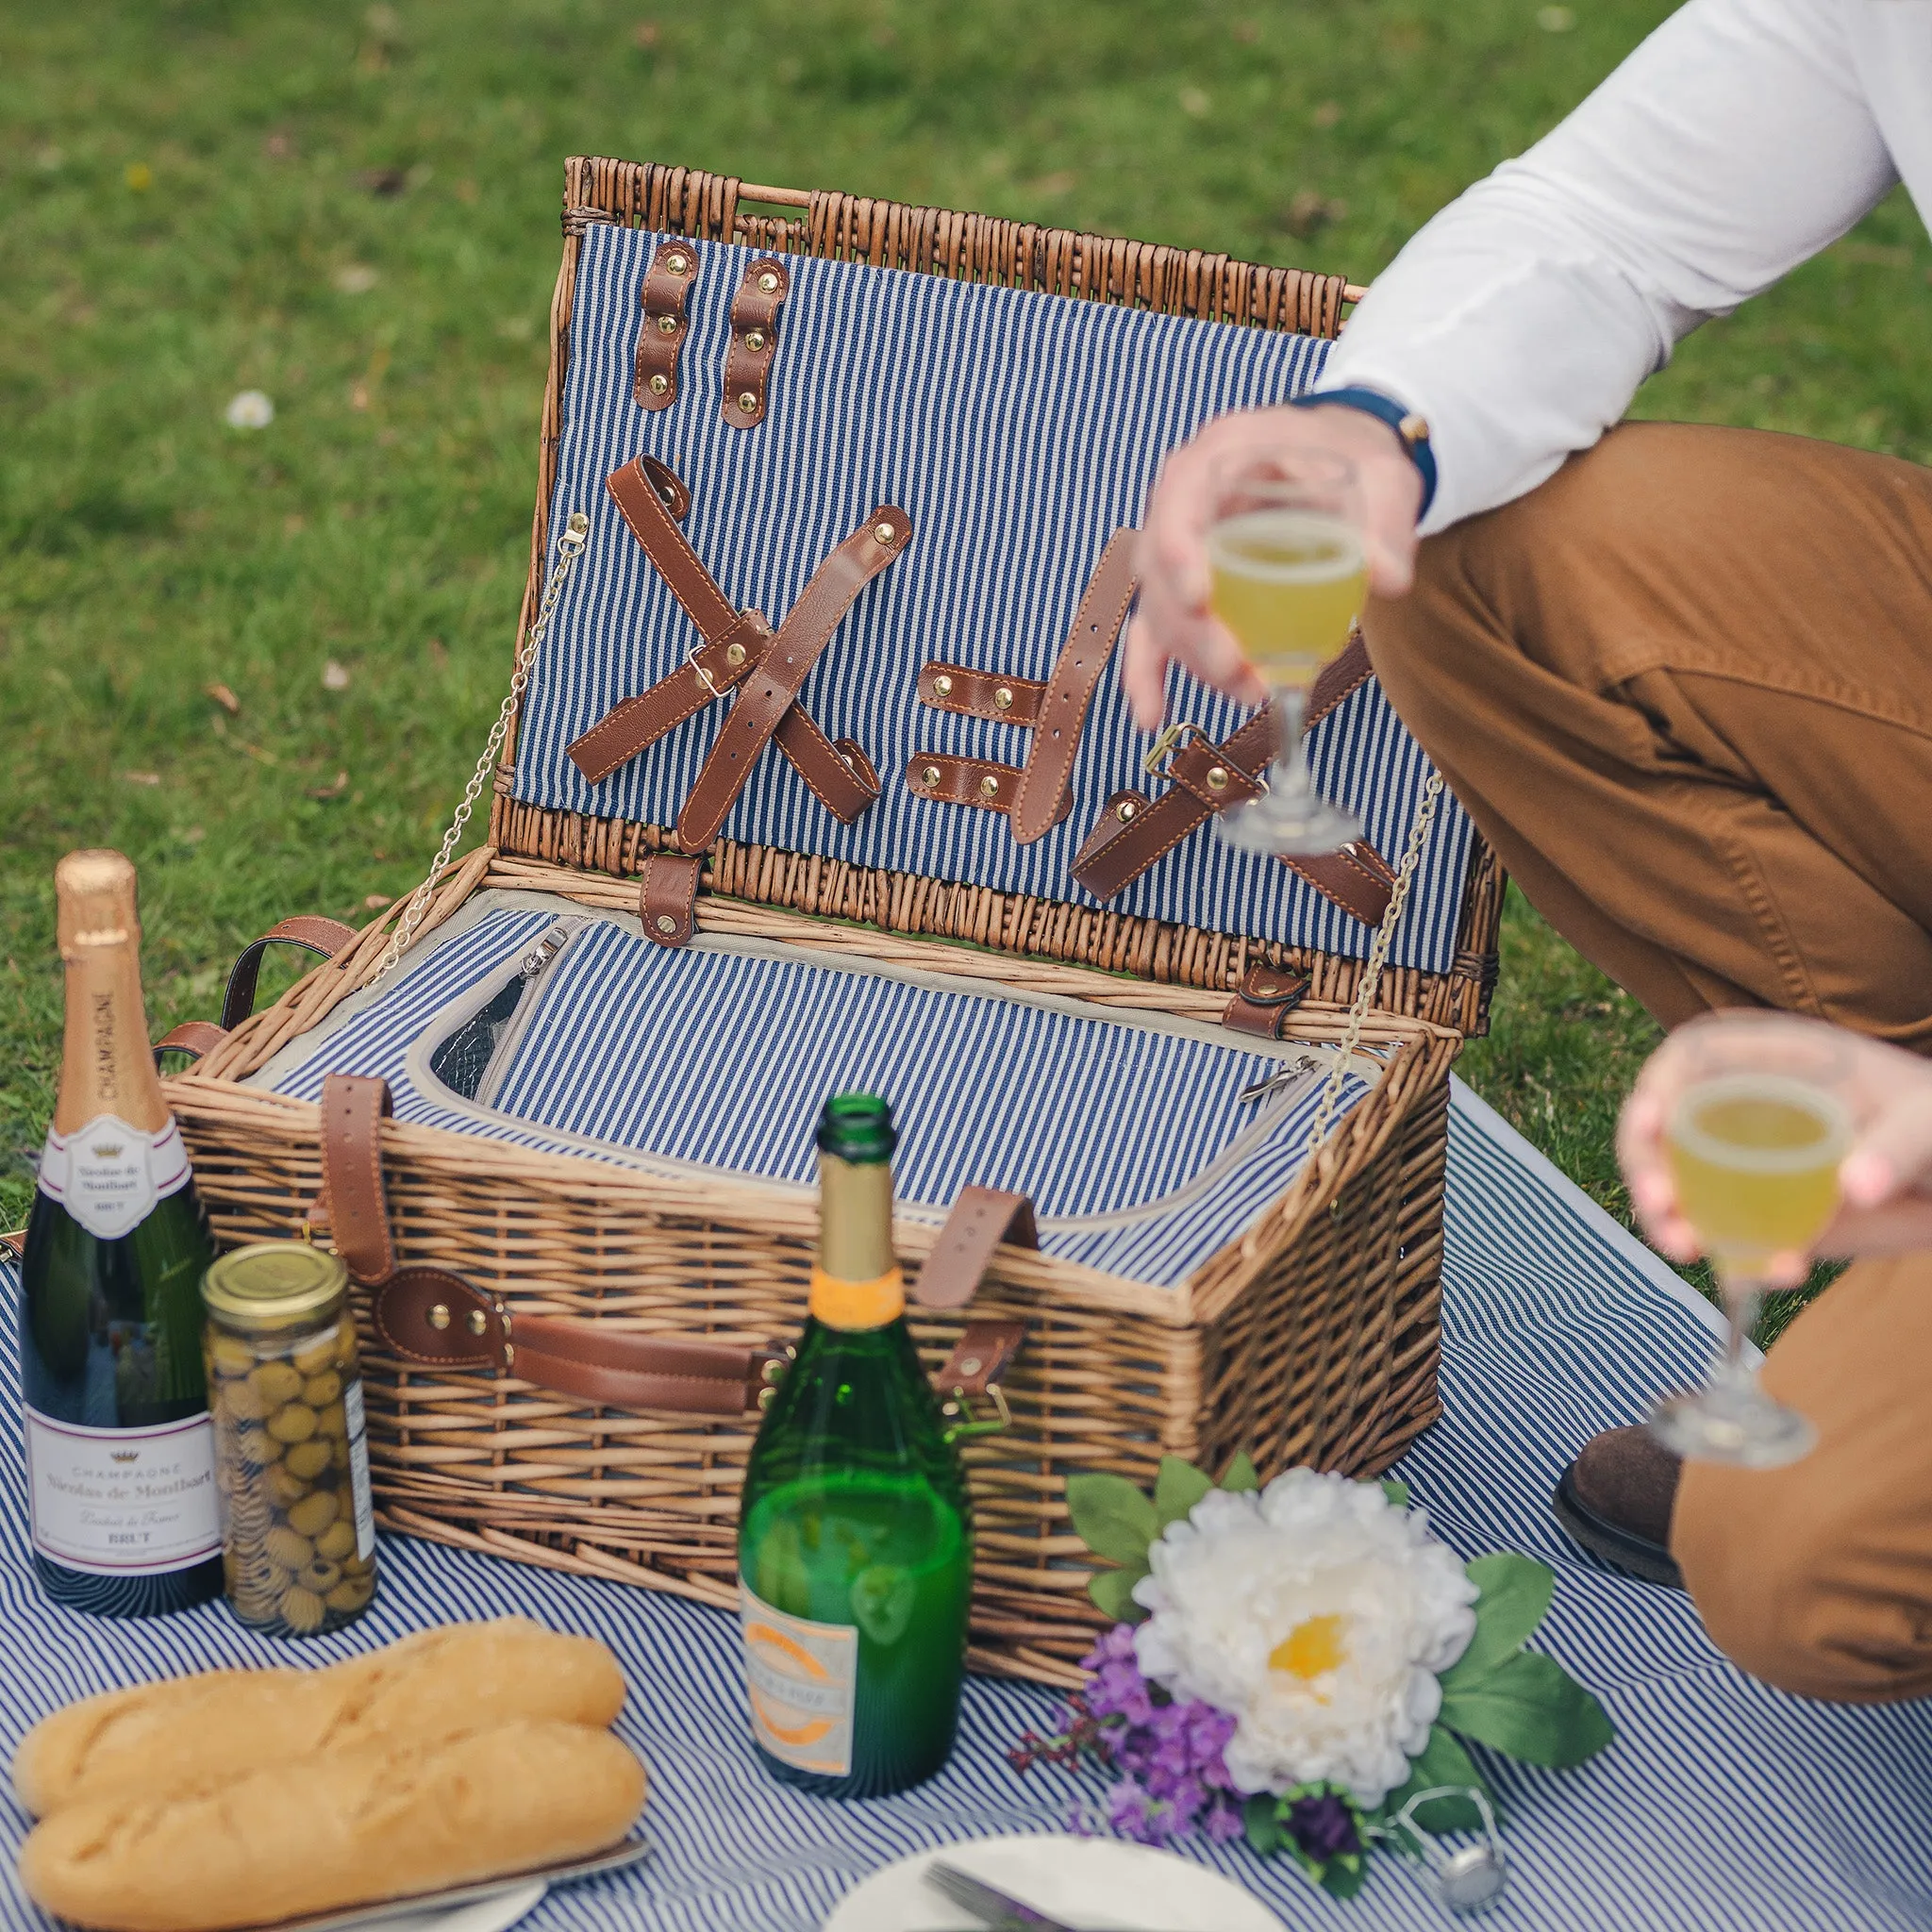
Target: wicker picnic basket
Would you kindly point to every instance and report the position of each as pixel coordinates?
(1312, 1336)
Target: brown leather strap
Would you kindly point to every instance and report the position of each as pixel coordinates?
(667, 896)
(770, 691)
(353, 1109)
(667, 287)
(1045, 788)
(430, 1317)
(668, 483)
(16, 1239)
(1341, 679)
(981, 1358)
(1134, 831)
(636, 724)
(753, 340)
(654, 527)
(981, 693)
(192, 1036)
(981, 1219)
(1268, 995)
(309, 931)
(963, 781)
(840, 776)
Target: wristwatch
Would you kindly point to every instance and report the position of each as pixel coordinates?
(1410, 429)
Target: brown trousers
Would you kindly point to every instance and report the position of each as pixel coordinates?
(1685, 688)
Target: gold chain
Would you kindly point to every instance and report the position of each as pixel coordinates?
(569, 548)
(1379, 954)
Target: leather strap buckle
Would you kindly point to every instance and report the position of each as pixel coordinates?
(975, 1370)
(1172, 737)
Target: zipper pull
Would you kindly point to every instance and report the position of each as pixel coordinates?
(545, 950)
(1290, 1075)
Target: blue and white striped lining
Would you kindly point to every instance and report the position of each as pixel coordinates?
(1017, 432)
(1129, 1137)
(1722, 1806)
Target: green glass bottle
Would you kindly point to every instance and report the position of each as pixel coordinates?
(855, 1540)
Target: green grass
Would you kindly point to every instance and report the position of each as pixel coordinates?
(183, 191)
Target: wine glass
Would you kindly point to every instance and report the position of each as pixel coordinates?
(1754, 1144)
(1288, 579)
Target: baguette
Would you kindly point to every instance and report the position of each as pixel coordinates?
(355, 1827)
(188, 1732)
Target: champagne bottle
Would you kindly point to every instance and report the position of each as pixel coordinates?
(854, 1539)
(119, 1451)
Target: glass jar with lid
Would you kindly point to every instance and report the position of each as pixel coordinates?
(291, 1458)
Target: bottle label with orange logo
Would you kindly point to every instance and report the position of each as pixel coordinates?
(802, 1678)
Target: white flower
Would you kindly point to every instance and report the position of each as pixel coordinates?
(1318, 1615)
(249, 410)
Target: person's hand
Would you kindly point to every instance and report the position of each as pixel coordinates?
(1885, 1182)
(1173, 623)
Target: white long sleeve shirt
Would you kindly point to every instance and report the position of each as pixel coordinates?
(1739, 138)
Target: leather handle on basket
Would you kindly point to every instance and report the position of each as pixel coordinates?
(309, 931)
(430, 1317)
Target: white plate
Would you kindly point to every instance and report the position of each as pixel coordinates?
(481, 1915)
(1098, 1884)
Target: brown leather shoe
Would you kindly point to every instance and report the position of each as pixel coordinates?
(1616, 1500)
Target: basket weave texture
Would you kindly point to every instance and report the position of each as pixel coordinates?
(1313, 1337)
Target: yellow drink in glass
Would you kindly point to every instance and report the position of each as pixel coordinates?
(1287, 584)
(1756, 1160)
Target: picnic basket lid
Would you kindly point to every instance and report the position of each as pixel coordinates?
(1013, 391)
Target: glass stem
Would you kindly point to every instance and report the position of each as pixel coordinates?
(1743, 1297)
(1289, 777)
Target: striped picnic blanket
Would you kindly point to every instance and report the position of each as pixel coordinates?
(1723, 1806)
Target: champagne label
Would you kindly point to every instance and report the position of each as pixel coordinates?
(110, 1175)
(123, 1502)
(803, 1678)
(358, 1470)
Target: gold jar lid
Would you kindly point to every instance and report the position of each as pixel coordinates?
(276, 1285)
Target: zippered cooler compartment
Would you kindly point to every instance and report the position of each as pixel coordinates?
(1139, 1137)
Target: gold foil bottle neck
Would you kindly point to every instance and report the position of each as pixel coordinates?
(93, 894)
(105, 1065)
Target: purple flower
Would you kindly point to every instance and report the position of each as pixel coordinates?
(1224, 1823)
(1322, 1826)
(1132, 1813)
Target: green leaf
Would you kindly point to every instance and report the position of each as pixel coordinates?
(1531, 1708)
(1112, 1593)
(1242, 1475)
(1261, 1815)
(1397, 1490)
(1443, 1761)
(1177, 1488)
(1111, 1517)
(1516, 1594)
(1342, 1875)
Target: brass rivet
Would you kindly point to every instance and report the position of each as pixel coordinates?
(509, 1356)
(667, 325)
(479, 1321)
(756, 340)
(768, 283)
(1126, 809)
(990, 786)
(1003, 697)
(439, 1317)
(772, 1373)
(1217, 778)
(659, 384)
(971, 1366)
(930, 776)
(734, 654)
(884, 533)
(748, 403)
(664, 922)
(675, 264)
(766, 1397)
(942, 686)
